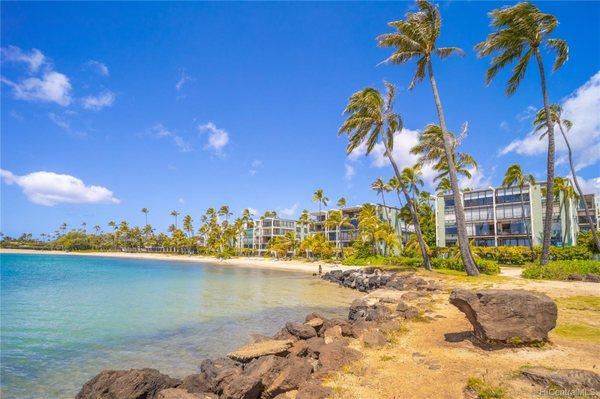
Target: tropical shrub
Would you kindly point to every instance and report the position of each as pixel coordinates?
(379, 260)
(570, 253)
(504, 255)
(362, 249)
(484, 266)
(586, 240)
(562, 269)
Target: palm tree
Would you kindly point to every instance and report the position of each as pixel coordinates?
(224, 211)
(371, 118)
(563, 193)
(341, 203)
(413, 179)
(514, 177)
(556, 116)
(381, 187)
(520, 32)
(320, 198)
(415, 39)
(145, 211)
(174, 213)
(337, 221)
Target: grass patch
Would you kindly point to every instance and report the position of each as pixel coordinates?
(386, 358)
(580, 302)
(393, 337)
(484, 390)
(582, 332)
(460, 276)
(561, 269)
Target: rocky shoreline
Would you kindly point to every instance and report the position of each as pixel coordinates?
(293, 363)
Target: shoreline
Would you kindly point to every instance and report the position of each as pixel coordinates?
(245, 262)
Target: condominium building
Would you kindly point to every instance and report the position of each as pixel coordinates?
(346, 235)
(260, 232)
(506, 216)
(593, 205)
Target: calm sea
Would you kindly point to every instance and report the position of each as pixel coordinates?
(65, 318)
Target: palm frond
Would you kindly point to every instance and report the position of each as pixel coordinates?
(562, 52)
(518, 73)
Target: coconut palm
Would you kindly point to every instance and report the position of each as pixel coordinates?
(224, 211)
(371, 118)
(145, 211)
(413, 179)
(520, 32)
(415, 39)
(175, 213)
(320, 198)
(564, 124)
(514, 177)
(381, 187)
(336, 220)
(563, 194)
(341, 203)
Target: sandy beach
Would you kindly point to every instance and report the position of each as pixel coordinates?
(249, 262)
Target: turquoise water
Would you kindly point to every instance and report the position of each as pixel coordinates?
(65, 318)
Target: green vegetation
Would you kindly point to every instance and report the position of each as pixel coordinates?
(561, 269)
(582, 332)
(484, 266)
(484, 390)
(580, 302)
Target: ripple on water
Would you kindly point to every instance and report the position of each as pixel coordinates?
(65, 318)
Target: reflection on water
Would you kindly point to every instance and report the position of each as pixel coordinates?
(65, 318)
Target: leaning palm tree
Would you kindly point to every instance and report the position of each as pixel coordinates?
(174, 213)
(371, 118)
(514, 177)
(564, 124)
(381, 187)
(145, 211)
(415, 39)
(520, 32)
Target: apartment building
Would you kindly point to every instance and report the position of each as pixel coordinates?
(506, 216)
(261, 231)
(345, 236)
(593, 205)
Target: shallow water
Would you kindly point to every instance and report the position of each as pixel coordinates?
(65, 318)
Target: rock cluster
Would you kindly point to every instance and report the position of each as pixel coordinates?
(291, 362)
(507, 316)
(564, 379)
(368, 279)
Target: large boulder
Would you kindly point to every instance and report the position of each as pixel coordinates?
(407, 311)
(178, 393)
(509, 316)
(302, 331)
(252, 351)
(368, 309)
(212, 372)
(336, 321)
(127, 384)
(566, 379)
(333, 356)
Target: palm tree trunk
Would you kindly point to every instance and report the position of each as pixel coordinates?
(547, 231)
(401, 234)
(413, 211)
(463, 239)
(579, 191)
(387, 214)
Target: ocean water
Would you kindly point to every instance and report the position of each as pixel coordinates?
(65, 318)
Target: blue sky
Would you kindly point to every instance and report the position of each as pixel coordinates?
(190, 105)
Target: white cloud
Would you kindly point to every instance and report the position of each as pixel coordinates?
(182, 80)
(97, 102)
(181, 200)
(254, 167)
(504, 125)
(527, 113)
(51, 87)
(403, 142)
(34, 59)
(478, 179)
(59, 121)
(159, 132)
(49, 189)
(291, 211)
(589, 186)
(100, 67)
(217, 138)
(583, 109)
(350, 171)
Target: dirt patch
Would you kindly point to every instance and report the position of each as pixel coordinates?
(435, 359)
